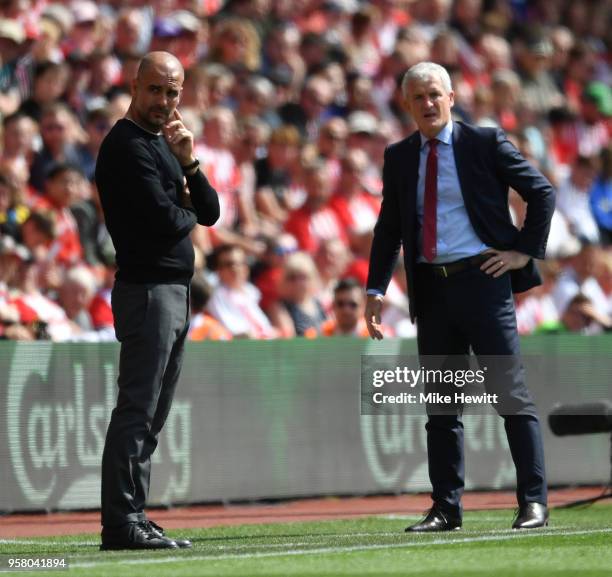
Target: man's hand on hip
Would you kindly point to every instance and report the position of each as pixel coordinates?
(372, 316)
(501, 261)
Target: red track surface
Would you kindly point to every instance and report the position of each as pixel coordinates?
(20, 526)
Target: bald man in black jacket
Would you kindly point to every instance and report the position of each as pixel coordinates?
(141, 171)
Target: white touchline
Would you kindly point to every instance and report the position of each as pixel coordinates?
(318, 538)
(48, 543)
(397, 516)
(347, 549)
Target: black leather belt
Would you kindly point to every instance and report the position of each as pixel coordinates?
(451, 268)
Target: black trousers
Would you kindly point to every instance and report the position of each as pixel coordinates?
(151, 322)
(472, 310)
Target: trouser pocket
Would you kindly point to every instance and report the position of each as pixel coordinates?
(129, 303)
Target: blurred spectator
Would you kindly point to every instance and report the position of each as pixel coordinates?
(431, 15)
(219, 81)
(118, 105)
(465, 18)
(130, 32)
(98, 249)
(60, 138)
(235, 301)
(87, 32)
(506, 90)
(105, 77)
(580, 316)
(445, 50)
(496, 53)
(248, 147)
(219, 165)
(601, 197)
(563, 42)
(331, 145)
(258, 98)
(36, 310)
(332, 259)
(195, 90)
(97, 126)
(363, 49)
(181, 33)
(298, 312)
(63, 188)
(603, 274)
(17, 173)
(267, 273)
(362, 126)
(39, 233)
(203, 327)
(13, 212)
(11, 325)
(356, 209)
(100, 309)
(49, 83)
(573, 200)
(281, 55)
(75, 295)
(482, 111)
(578, 278)
(275, 173)
(236, 44)
(577, 73)
(315, 220)
(595, 126)
(359, 95)
(533, 51)
(391, 19)
(311, 111)
(19, 133)
(536, 309)
(12, 39)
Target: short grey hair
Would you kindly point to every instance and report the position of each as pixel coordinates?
(424, 71)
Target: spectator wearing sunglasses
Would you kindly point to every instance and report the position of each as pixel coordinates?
(348, 307)
(97, 125)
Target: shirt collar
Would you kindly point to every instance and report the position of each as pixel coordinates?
(445, 135)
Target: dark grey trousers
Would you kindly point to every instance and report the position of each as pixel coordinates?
(151, 322)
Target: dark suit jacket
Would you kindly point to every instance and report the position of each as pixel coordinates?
(487, 165)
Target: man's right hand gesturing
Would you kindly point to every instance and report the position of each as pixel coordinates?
(372, 316)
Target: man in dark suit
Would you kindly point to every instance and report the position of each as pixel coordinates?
(445, 202)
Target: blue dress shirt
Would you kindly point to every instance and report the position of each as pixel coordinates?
(456, 238)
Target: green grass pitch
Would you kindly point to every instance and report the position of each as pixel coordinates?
(578, 543)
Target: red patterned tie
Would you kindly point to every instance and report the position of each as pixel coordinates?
(431, 202)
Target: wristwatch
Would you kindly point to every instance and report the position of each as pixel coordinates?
(191, 166)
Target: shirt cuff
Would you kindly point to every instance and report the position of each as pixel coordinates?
(375, 292)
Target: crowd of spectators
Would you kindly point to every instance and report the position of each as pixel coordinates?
(292, 103)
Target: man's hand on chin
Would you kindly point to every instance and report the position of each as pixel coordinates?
(501, 261)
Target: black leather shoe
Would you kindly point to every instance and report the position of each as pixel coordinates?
(436, 520)
(530, 516)
(155, 528)
(134, 536)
